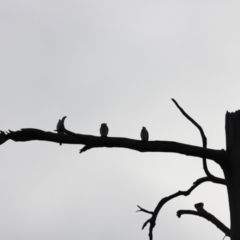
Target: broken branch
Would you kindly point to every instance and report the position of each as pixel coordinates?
(201, 212)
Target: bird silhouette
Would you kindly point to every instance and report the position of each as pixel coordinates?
(104, 130)
(144, 134)
(60, 126)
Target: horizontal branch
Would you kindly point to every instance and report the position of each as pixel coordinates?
(30, 134)
(201, 212)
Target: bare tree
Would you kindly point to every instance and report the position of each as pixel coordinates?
(228, 160)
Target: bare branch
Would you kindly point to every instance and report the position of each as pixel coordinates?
(30, 134)
(143, 210)
(152, 220)
(204, 139)
(223, 182)
(201, 212)
(204, 142)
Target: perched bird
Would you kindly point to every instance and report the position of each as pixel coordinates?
(104, 130)
(59, 126)
(144, 134)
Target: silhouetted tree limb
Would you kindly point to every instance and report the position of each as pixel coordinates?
(201, 212)
(76, 135)
(204, 142)
(200, 180)
(143, 210)
(152, 220)
(30, 134)
(67, 137)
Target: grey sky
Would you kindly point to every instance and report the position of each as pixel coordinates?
(118, 62)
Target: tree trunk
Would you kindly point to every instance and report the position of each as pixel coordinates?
(232, 171)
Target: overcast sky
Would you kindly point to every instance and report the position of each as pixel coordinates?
(118, 62)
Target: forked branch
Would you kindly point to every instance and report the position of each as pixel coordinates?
(204, 142)
(201, 212)
(210, 177)
(152, 220)
(64, 136)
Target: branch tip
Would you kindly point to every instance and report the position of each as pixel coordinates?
(145, 224)
(199, 205)
(85, 148)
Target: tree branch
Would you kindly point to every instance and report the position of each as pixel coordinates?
(30, 134)
(204, 142)
(201, 212)
(152, 220)
(143, 210)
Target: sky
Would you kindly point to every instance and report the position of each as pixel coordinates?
(120, 63)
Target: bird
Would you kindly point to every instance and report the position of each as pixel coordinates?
(144, 134)
(104, 130)
(59, 126)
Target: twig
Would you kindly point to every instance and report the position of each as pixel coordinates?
(204, 142)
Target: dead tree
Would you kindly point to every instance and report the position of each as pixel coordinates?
(228, 160)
